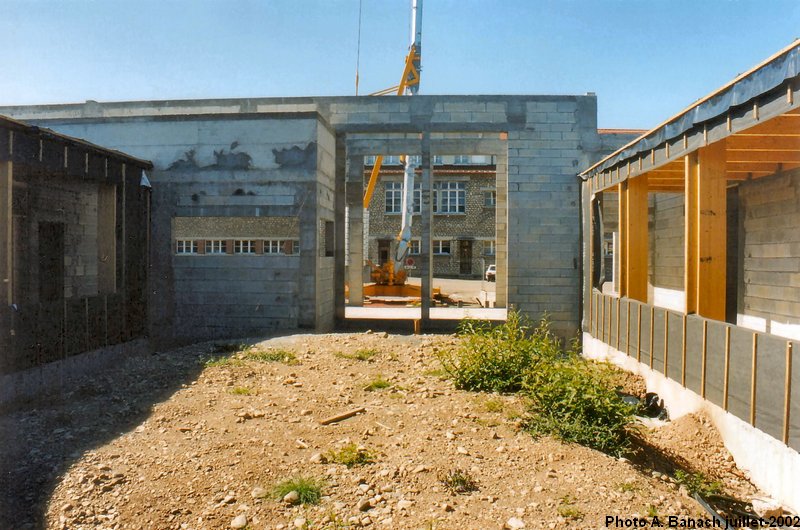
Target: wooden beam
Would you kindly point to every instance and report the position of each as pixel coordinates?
(759, 167)
(762, 143)
(781, 157)
(6, 234)
(780, 125)
(705, 232)
(636, 240)
(690, 234)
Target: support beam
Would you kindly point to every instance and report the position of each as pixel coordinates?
(636, 239)
(705, 232)
(622, 279)
(6, 235)
(426, 225)
(355, 235)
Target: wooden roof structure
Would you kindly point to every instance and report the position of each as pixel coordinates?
(757, 114)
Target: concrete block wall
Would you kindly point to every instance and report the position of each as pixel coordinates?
(251, 170)
(326, 196)
(547, 139)
(666, 242)
(74, 204)
(771, 254)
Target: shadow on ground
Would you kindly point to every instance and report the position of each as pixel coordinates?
(42, 438)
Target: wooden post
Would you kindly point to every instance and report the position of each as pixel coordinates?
(639, 334)
(619, 301)
(705, 231)
(6, 234)
(703, 360)
(753, 372)
(787, 392)
(683, 354)
(603, 318)
(666, 340)
(628, 330)
(652, 338)
(727, 368)
(636, 239)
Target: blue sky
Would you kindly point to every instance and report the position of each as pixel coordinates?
(645, 60)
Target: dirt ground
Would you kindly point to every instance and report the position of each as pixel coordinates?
(165, 442)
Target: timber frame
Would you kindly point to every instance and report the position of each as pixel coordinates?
(750, 130)
(35, 331)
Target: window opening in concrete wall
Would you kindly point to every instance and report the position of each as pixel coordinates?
(489, 247)
(51, 261)
(330, 246)
(414, 247)
(465, 256)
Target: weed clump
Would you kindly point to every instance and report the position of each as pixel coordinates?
(350, 455)
(573, 401)
(273, 356)
(495, 359)
(567, 396)
(457, 481)
(364, 354)
(308, 489)
(379, 383)
(698, 483)
(241, 391)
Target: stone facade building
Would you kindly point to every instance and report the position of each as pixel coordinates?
(463, 230)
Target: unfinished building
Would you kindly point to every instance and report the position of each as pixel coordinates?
(73, 246)
(698, 220)
(251, 198)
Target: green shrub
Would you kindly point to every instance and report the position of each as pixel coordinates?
(572, 400)
(495, 359)
(350, 455)
(309, 489)
(364, 354)
(241, 391)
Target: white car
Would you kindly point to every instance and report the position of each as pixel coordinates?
(491, 273)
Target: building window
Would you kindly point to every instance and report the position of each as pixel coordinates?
(215, 246)
(462, 159)
(450, 197)
(369, 160)
(394, 197)
(441, 246)
(489, 247)
(414, 248)
(391, 160)
(186, 246)
(437, 160)
(282, 246)
(244, 246)
(490, 198)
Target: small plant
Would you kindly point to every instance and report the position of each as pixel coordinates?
(212, 362)
(567, 508)
(457, 481)
(627, 486)
(241, 391)
(364, 354)
(652, 511)
(435, 372)
(351, 455)
(308, 489)
(493, 405)
(698, 483)
(379, 383)
(273, 356)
